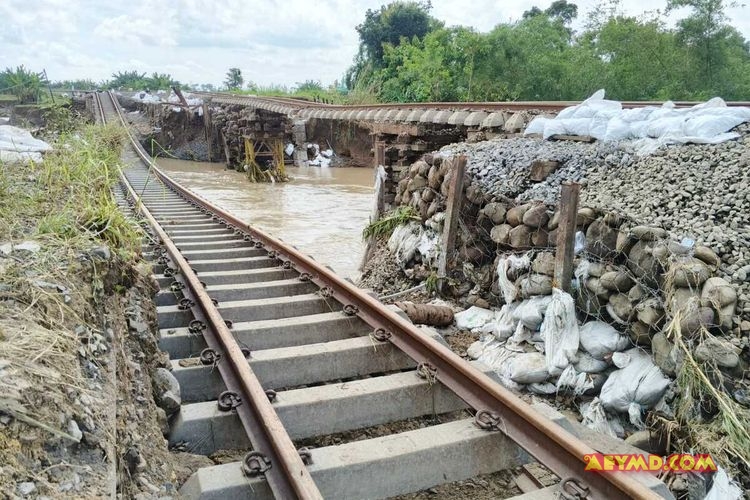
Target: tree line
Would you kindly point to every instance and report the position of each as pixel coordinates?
(406, 55)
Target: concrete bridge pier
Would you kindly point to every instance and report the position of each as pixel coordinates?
(299, 135)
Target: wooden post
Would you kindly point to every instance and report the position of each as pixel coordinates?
(566, 233)
(379, 207)
(207, 125)
(453, 210)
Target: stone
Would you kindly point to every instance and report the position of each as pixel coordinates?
(26, 488)
(694, 318)
(617, 281)
(101, 252)
(745, 326)
(540, 238)
(661, 348)
(601, 239)
(620, 308)
(650, 312)
(74, 431)
(613, 220)
(624, 242)
(520, 237)
(589, 303)
(163, 380)
(514, 217)
(643, 440)
(707, 255)
(536, 216)
(690, 273)
(544, 263)
(169, 402)
(648, 233)
(501, 234)
(535, 284)
(416, 183)
(643, 264)
(554, 221)
(594, 285)
(585, 216)
(433, 178)
(718, 293)
(541, 169)
(516, 123)
(495, 211)
(640, 334)
(719, 351)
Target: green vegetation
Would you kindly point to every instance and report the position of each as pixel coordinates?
(67, 200)
(383, 227)
(406, 55)
(21, 83)
(234, 79)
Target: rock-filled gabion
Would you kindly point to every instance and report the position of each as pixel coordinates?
(664, 234)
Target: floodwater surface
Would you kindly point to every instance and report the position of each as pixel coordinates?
(321, 211)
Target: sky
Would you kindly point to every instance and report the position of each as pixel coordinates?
(196, 41)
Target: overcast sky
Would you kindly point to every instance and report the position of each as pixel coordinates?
(271, 41)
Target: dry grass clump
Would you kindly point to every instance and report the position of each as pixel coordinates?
(708, 419)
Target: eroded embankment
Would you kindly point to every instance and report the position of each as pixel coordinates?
(77, 333)
(661, 268)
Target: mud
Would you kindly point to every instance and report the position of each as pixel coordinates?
(321, 210)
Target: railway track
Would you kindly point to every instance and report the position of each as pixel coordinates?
(389, 111)
(274, 351)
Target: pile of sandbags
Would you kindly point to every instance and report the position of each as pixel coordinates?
(19, 146)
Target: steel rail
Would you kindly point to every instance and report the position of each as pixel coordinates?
(288, 475)
(475, 106)
(553, 446)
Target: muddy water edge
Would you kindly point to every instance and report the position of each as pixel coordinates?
(322, 211)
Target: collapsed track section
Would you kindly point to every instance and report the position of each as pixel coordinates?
(272, 349)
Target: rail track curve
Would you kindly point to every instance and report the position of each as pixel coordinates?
(273, 349)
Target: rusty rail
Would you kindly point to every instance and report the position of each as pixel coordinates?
(287, 475)
(553, 106)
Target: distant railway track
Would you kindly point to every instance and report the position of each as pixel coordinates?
(273, 349)
(289, 105)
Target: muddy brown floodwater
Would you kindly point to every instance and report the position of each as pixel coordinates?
(322, 211)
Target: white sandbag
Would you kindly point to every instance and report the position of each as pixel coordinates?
(20, 157)
(596, 419)
(503, 324)
(576, 382)
(475, 350)
(601, 339)
(473, 317)
(617, 130)
(544, 388)
(560, 332)
(638, 386)
(528, 368)
(723, 487)
(20, 140)
(504, 266)
(587, 363)
(536, 126)
(531, 311)
(404, 241)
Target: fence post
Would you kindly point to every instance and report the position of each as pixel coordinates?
(566, 232)
(379, 207)
(452, 211)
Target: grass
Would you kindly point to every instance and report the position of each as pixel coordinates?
(384, 226)
(725, 433)
(325, 95)
(68, 197)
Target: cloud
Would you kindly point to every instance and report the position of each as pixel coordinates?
(272, 41)
(133, 30)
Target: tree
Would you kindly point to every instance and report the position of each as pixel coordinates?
(234, 79)
(22, 83)
(560, 9)
(706, 32)
(392, 23)
(128, 79)
(161, 81)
